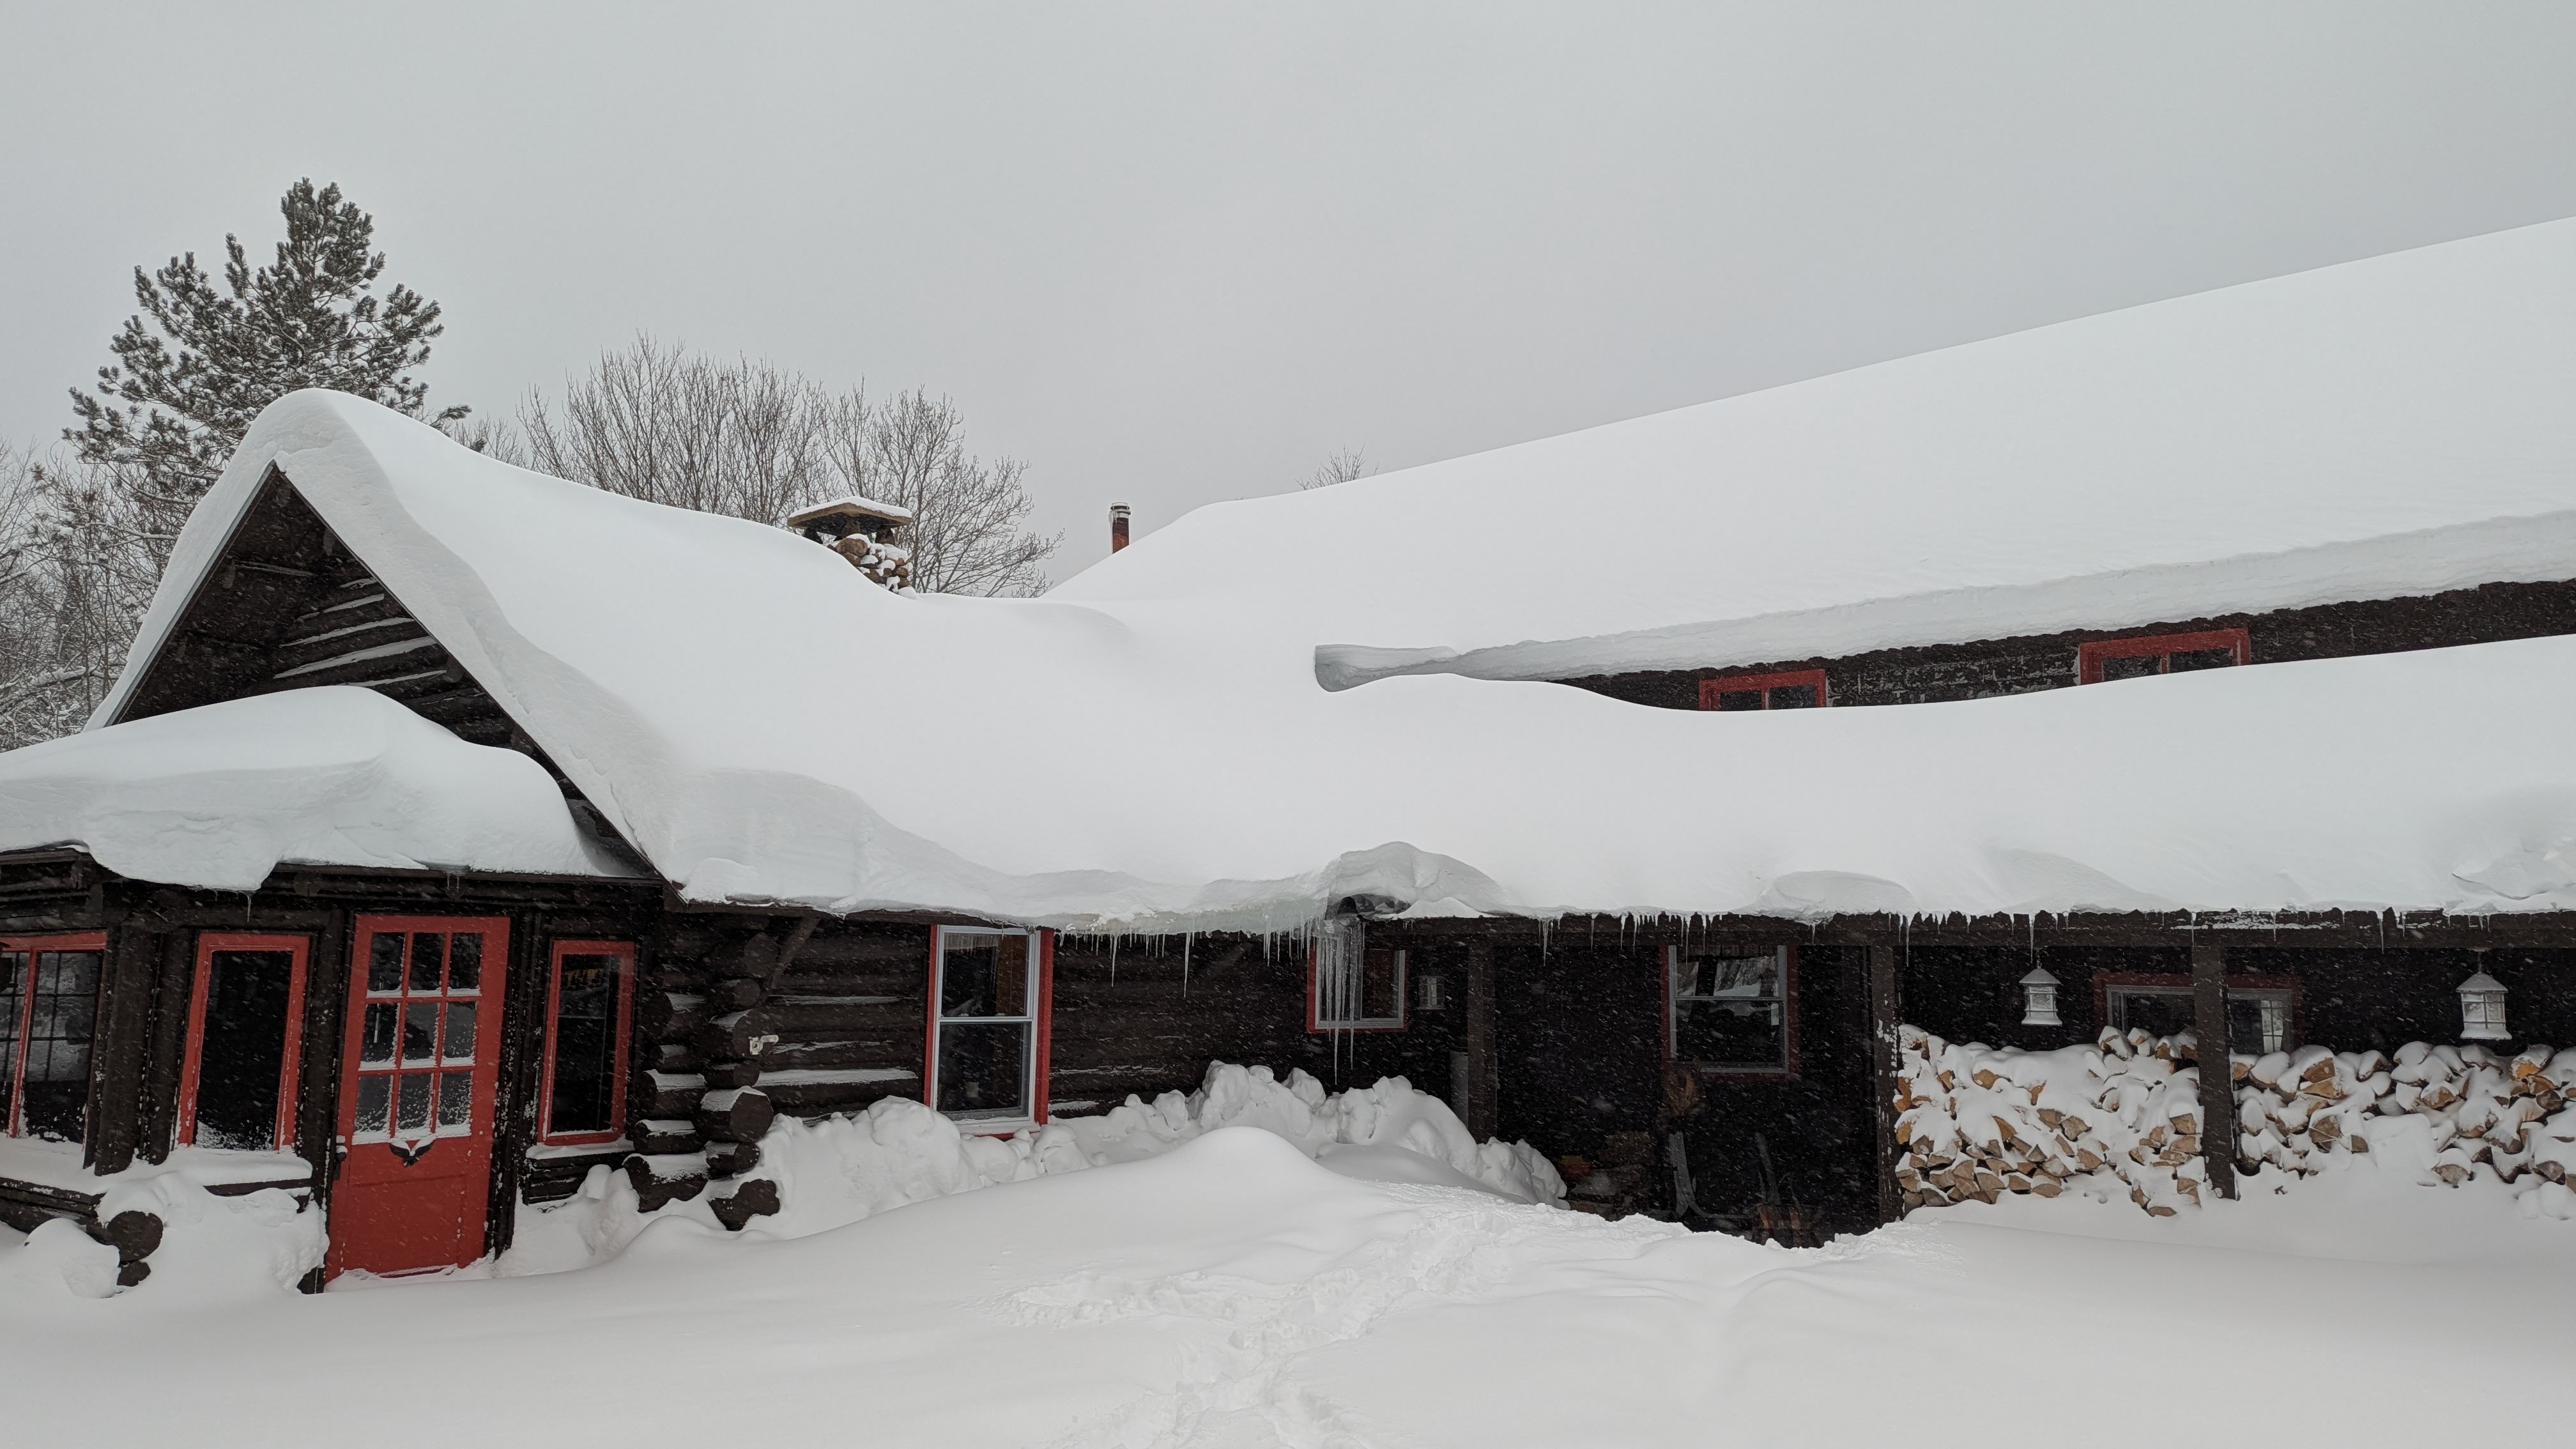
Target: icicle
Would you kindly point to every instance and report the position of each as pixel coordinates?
(1185, 965)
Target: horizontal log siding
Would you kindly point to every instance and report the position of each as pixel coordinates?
(2027, 663)
(1145, 1015)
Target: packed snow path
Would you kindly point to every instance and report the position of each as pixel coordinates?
(1234, 1292)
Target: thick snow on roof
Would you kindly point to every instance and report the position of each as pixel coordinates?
(2385, 428)
(220, 796)
(764, 723)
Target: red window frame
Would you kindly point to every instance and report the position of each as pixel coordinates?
(1788, 1072)
(290, 1072)
(624, 1017)
(15, 1123)
(1724, 684)
(1042, 1044)
(2090, 654)
(1317, 1026)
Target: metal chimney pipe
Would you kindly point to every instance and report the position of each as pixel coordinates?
(1117, 526)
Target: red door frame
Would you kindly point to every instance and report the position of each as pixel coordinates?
(291, 1073)
(1042, 1049)
(377, 1167)
(623, 1015)
(68, 941)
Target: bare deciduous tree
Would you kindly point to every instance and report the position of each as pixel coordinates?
(1342, 467)
(75, 573)
(751, 441)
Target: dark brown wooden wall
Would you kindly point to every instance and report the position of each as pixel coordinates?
(2024, 664)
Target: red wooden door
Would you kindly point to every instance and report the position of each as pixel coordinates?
(416, 1083)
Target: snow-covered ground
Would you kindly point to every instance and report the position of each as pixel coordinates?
(1235, 1292)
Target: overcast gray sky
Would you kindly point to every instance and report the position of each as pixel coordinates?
(1178, 253)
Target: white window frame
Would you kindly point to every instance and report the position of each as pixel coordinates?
(1335, 985)
(1032, 1106)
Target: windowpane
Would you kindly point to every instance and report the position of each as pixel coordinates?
(14, 966)
(384, 963)
(411, 1105)
(2182, 660)
(983, 1069)
(428, 956)
(1380, 1000)
(2130, 666)
(455, 1099)
(1730, 1010)
(583, 1094)
(465, 961)
(983, 974)
(457, 1045)
(241, 1057)
(54, 1075)
(2160, 1011)
(1739, 699)
(420, 1032)
(374, 1094)
(1794, 696)
(376, 1038)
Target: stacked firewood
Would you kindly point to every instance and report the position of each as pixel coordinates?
(883, 562)
(2475, 1107)
(2122, 1116)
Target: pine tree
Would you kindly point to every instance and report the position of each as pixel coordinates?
(192, 377)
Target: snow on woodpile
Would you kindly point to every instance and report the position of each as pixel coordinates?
(2122, 1118)
(218, 797)
(2387, 427)
(1149, 749)
(839, 1169)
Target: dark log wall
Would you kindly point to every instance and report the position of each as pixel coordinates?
(1582, 1058)
(2024, 664)
(2349, 998)
(1143, 1016)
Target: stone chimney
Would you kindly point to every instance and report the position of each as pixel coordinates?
(863, 531)
(1117, 526)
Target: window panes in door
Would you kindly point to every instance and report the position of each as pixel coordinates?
(48, 1018)
(2258, 1017)
(987, 1022)
(418, 1038)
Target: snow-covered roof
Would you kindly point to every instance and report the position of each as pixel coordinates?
(2386, 428)
(1149, 746)
(219, 797)
(895, 512)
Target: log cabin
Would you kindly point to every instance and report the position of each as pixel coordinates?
(453, 832)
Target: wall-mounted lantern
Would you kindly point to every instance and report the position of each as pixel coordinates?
(2039, 998)
(2482, 1009)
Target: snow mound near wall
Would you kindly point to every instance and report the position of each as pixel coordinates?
(837, 1170)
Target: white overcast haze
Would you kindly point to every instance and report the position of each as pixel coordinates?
(1175, 254)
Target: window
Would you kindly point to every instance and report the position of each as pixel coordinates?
(48, 1017)
(589, 1007)
(419, 1029)
(2261, 1011)
(1730, 1009)
(1350, 984)
(1801, 689)
(989, 993)
(2103, 659)
(245, 1033)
